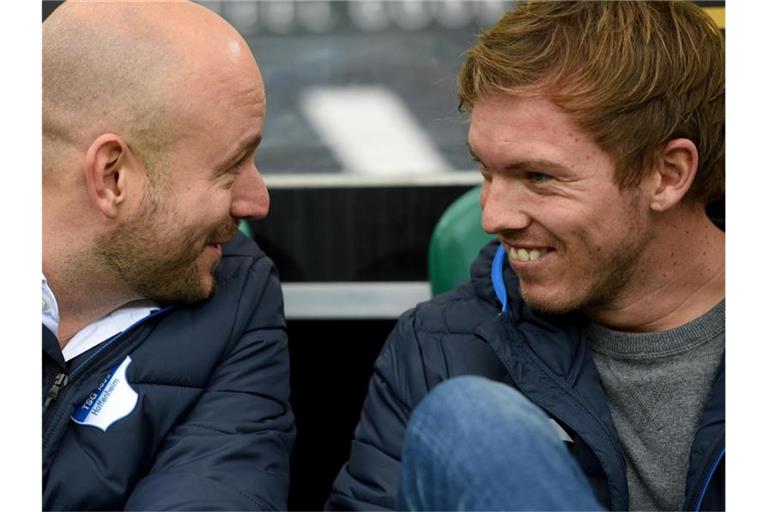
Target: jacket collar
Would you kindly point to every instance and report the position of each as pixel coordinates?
(708, 448)
(549, 360)
(52, 349)
(557, 340)
(497, 278)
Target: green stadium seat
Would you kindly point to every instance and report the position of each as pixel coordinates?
(455, 242)
(245, 229)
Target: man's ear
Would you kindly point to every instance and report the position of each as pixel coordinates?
(672, 177)
(105, 173)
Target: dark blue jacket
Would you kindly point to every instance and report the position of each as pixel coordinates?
(484, 328)
(212, 428)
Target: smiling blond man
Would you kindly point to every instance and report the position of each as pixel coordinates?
(596, 321)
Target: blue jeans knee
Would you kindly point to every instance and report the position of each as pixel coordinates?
(475, 444)
(471, 407)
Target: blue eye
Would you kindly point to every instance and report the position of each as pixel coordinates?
(538, 177)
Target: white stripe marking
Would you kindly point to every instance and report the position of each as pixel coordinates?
(366, 300)
(370, 130)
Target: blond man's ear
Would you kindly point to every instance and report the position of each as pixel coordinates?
(673, 174)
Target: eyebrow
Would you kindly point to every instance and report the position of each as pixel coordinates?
(247, 145)
(524, 164)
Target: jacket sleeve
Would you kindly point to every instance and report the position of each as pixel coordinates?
(369, 480)
(231, 452)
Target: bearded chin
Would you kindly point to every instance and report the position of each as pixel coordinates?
(552, 305)
(595, 287)
(182, 283)
(157, 268)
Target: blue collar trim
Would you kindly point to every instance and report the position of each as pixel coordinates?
(497, 278)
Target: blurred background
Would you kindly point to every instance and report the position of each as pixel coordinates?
(361, 87)
(363, 151)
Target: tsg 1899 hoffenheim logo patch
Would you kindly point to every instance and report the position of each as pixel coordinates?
(113, 399)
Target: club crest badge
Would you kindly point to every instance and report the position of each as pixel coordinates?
(113, 399)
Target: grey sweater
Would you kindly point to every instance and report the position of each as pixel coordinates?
(657, 385)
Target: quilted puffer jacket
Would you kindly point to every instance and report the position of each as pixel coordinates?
(484, 328)
(186, 409)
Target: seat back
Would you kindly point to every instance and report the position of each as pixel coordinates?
(245, 228)
(455, 242)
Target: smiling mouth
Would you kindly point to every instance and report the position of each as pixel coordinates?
(524, 254)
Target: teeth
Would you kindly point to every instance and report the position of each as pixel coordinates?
(524, 254)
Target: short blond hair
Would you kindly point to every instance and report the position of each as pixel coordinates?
(634, 75)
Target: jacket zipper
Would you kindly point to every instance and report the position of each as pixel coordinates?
(63, 380)
(55, 404)
(711, 473)
(59, 382)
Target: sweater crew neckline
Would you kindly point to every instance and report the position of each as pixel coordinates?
(628, 345)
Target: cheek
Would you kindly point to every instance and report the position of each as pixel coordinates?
(567, 222)
(206, 208)
(597, 218)
(607, 235)
(218, 202)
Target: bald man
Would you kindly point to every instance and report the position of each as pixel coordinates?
(165, 363)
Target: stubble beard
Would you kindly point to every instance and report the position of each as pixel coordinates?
(597, 287)
(608, 275)
(154, 267)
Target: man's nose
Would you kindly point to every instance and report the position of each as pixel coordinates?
(250, 198)
(503, 206)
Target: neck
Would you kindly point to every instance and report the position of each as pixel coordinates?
(85, 288)
(84, 293)
(679, 278)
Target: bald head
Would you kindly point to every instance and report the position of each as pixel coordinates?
(131, 69)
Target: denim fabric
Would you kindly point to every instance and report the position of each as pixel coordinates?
(475, 444)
